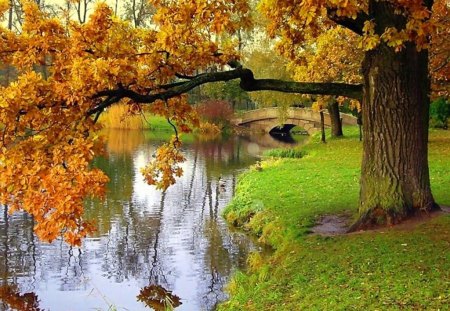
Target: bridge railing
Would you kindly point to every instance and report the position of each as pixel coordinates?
(307, 114)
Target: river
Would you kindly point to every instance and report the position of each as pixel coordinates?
(147, 241)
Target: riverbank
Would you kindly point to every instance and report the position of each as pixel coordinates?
(280, 200)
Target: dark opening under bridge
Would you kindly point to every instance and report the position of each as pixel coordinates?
(269, 120)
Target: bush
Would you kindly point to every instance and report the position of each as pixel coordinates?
(218, 112)
(439, 113)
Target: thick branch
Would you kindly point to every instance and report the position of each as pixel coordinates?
(248, 83)
(313, 88)
(356, 25)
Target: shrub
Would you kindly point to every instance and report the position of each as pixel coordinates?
(439, 113)
(218, 112)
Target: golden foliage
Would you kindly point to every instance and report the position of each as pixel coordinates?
(210, 129)
(48, 140)
(165, 166)
(299, 22)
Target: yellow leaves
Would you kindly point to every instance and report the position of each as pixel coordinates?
(394, 38)
(48, 141)
(370, 39)
(165, 166)
(331, 57)
(369, 42)
(45, 158)
(309, 14)
(369, 27)
(4, 6)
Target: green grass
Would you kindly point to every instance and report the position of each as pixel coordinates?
(292, 153)
(157, 123)
(389, 270)
(116, 117)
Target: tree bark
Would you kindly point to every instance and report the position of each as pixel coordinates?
(322, 126)
(395, 181)
(335, 118)
(248, 83)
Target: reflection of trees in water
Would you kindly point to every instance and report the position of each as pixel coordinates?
(219, 250)
(17, 245)
(138, 240)
(132, 247)
(156, 274)
(123, 142)
(158, 298)
(18, 253)
(208, 184)
(10, 297)
(224, 156)
(119, 166)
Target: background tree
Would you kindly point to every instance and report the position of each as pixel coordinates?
(229, 91)
(139, 12)
(332, 56)
(440, 51)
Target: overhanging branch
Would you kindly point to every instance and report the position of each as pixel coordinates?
(248, 83)
(356, 25)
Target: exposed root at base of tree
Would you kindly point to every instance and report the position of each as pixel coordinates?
(378, 218)
(332, 225)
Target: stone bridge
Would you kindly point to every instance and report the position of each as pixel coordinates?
(268, 120)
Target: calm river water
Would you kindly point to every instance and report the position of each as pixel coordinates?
(176, 240)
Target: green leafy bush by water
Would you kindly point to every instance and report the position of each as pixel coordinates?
(285, 153)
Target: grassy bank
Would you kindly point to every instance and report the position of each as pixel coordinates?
(396, 269)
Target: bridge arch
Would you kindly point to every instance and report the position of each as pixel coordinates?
(268, 119)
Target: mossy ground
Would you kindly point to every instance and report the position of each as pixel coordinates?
(391, 269)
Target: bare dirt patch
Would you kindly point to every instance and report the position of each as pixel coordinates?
(331, 225)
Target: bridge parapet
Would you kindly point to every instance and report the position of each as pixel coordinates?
(269, 118)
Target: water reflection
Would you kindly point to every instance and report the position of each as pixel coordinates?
(176, 240)
(11, 298)
(158, 298)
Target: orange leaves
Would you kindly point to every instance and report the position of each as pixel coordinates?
(189, 31)
(440, 49)
(46, 140)
(165, 166)
(297, 21)
(11, 297)
(370, 39)
(51, 183)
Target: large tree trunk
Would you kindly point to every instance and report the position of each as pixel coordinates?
(395, 181)
(335, 118)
